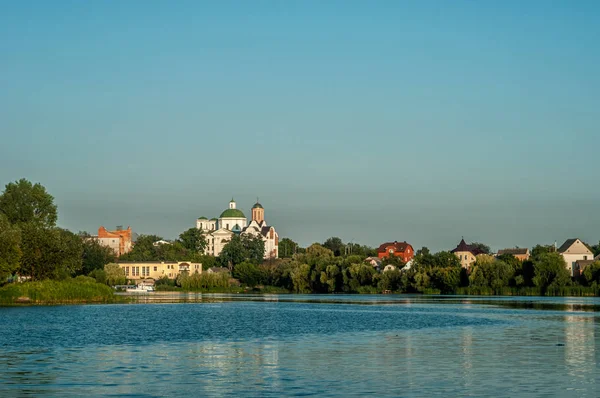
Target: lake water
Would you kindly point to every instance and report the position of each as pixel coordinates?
(221, 345)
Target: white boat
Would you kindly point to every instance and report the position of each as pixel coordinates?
(141, 288)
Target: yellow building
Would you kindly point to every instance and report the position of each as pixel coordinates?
(158, 269)
(466, 254)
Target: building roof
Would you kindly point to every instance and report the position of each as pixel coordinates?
(202, 218)
(398, 246)
(565, 246)
(232, 213)
(570, 242)
(257, 206)
(514, 252)
(213, 219)
(463, 247)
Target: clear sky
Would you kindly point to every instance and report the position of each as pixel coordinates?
(373, 121)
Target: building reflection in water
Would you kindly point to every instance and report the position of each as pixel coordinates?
(467, 356)
(580, 346)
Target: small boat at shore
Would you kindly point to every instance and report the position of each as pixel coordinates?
(141, 288)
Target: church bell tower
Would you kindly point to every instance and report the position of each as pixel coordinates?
(258, 212)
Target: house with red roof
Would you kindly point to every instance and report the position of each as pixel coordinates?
(402, 250)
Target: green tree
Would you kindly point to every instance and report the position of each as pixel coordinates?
(541, 249)
(143, 250)
(23, 202)
(99, 275)
(233, 252)
(482, 247)
(247, 273)
(255, 248)
(393, 260)
(332, 277)
(49, 253)
(10, 248)
(391, 280)
(95, 256)
(115, 275)
(287, 248)
(596, 249)
(591, 274)
(550, 270)
(193, 239)
(336, 245)
(300, 276)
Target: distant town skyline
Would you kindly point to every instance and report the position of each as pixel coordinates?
(419, 121)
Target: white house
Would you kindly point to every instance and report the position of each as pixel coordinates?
(574, 250)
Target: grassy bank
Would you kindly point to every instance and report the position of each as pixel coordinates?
(71, 291)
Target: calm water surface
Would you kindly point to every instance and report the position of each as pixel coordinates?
(220, 345)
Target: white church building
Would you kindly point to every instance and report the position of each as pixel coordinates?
(218, 231)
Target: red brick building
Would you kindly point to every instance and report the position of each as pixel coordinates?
(399, 249)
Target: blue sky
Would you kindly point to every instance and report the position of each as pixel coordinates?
(422, 121)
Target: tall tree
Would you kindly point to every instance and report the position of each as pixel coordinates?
(550, 270)
(49, 252)
(95, 255)
(143, 250)
(23, 202)
(193, 239)
(335, 244)
(255, 248)
(233, 252)
(10, 248)
(287, 248)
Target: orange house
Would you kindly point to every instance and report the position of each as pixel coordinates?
(398, 249)
(119, 241)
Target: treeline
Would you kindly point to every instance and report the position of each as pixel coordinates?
(318, 270)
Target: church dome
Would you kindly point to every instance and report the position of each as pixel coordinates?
(257, 206)
(232, 213)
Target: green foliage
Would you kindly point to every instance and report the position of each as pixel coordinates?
(10, 248)
(25, 203)
(205, 281)
(242, 248)
(247, 273)
(115, 275)
(99, 275)
(79, 290)
(193, 240)
(482, 247)
(49, 252)
(541, 249)
(144, 250)
(391, 280)
(550, 271)
(591, 274)
(95, 256)
(336, 245)
(287, 248)
(392, 260)
(596, 249)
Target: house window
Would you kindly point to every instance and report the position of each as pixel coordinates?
(155, 269)
(585, 257)
(126, 271)
(137, 271)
